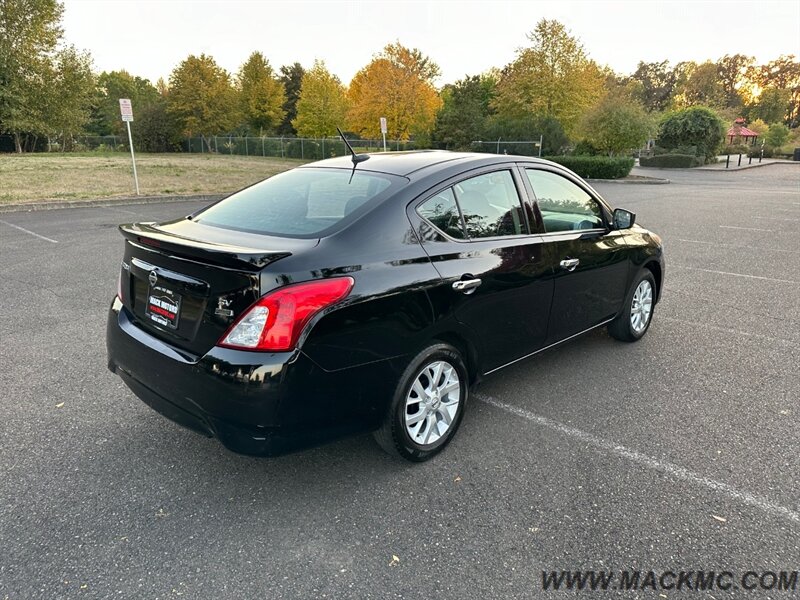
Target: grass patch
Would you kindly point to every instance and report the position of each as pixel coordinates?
(82, 176)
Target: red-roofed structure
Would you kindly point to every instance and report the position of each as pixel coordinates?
(741, 134)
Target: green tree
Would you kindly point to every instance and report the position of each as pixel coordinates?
(552, 78)
(783, 73)
(777, 135)
(699, 86)
(617, 124)
(525, 129)
(698, 126)
(71, 88)
(732, 75)
(322, 106)
(292, 79)
(261, 95)
(201, 98)
(396, 84)
(465, 111)
(656, 84)
(111, 86)
(29, 33)
(772, 105)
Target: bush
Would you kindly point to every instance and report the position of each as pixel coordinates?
(672, 161)
(777, 135)
(735, 149)
(755, 152)
(697, 126)
(585, 148)
(596, 167)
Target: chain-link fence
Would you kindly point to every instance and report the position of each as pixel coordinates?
(520, 148)
(288, 147)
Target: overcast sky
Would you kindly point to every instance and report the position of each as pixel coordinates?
(150, 37)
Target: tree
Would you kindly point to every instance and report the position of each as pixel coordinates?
(732, 73)
(322, 106)
(261, 94)
(520, 129)
(396, 84)
(699, 86)
(72, 88)
(617, 124)
(291, 78)
(552, 78)
(29, 33)
(657, 83)
(111, 86)
(772, 105)
(698, 126)
(782, 73)
(201, 99)
(465, 111)
(777, 135)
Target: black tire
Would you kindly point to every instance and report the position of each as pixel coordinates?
(621, 327)
(393, 436)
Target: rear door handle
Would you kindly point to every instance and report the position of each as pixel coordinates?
(569, 264)
(466, 286)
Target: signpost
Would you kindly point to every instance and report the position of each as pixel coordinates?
(383, 132)
(126, 110)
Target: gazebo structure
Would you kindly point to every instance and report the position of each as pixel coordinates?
(741, 134)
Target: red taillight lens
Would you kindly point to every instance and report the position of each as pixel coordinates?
(275, 322)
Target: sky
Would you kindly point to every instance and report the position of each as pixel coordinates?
(150, 38)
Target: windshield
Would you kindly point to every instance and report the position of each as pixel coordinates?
(308, 202)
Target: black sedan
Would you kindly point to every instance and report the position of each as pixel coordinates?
(368, 294)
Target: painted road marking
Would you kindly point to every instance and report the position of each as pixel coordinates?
(734, 274)
(745, 228)
(28, 231)
(671, 469)
(735, 246)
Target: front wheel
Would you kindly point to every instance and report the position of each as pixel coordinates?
(634, 320)
(427, 406)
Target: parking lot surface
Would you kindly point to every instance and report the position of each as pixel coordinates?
(679, 452)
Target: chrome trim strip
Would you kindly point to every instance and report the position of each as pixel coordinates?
(566, 339)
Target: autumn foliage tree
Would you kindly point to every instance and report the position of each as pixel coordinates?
(201, 98)
(261, 95)
(552, 78)
(396, 84)
(322, 103)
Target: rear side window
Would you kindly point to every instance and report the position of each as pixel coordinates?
(300, 203)
(564, 206)
(490, 205)
(442, 211)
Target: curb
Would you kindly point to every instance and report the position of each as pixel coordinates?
(641, 181)
(105, 202)
(743, 167)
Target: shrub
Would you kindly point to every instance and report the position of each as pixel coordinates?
(697, 126)
(755, 152)
(672, 161)
(777, 135)
(596, 167)
(585, 148)
(735, 149)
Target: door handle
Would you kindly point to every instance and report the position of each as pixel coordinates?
(466, 286)
(569, 264)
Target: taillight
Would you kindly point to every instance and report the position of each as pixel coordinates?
(276, 321)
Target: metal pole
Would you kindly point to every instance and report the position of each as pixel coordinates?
(541, 141)
(302, 151)
(133, 158)
(498, 145)
(262, 146)
(727, 160)
(740, 160)
(384, 141)
(246, 152)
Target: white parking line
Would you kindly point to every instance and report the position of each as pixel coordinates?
(776, 219)
(756, 336)
(41, 237)
(781, 250)
(745, 228)
(649, 462)
(734, 274)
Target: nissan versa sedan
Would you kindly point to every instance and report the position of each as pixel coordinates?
(368, 293)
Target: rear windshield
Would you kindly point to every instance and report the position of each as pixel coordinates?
(304, 202)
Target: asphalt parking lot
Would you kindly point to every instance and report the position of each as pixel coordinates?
(680, 452)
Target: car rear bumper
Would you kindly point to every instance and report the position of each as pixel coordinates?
(263, 404)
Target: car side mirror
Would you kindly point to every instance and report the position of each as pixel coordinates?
(623, 219)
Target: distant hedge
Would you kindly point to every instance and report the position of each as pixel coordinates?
(596, 167)
(671, 161)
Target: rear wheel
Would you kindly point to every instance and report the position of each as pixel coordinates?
(427, 406)
(634, 320)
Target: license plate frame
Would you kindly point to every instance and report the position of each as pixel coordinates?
(163, 306)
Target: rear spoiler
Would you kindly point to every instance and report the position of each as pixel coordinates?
(223, 255)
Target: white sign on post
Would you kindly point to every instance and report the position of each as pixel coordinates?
(126, 110)
(383, 132)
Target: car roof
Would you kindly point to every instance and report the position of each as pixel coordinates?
(416, 161)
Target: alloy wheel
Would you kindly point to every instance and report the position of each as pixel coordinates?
(432, 402)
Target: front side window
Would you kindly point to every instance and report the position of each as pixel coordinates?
(490, 205)
(564, 206)
(305, 202)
